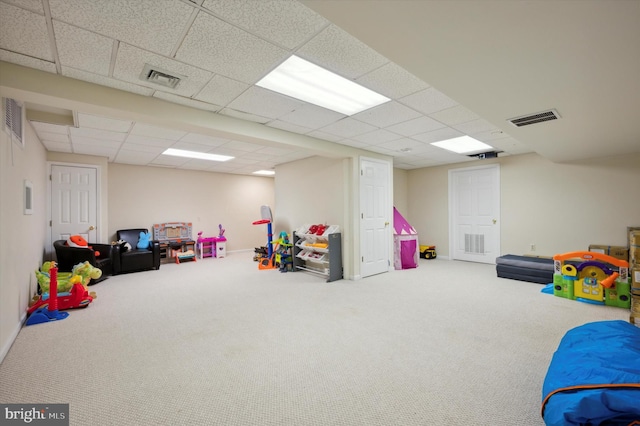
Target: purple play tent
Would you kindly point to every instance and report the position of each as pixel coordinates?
(405, 243)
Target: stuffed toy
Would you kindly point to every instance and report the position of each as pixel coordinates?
(86, 271)
(144, 240)
(78, 241)
(124, 246)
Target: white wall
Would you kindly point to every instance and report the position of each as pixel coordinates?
(400, 190)
(311, 191)
(557, 207)
(22, 236)
(140, 196)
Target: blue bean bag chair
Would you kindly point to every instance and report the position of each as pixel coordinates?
(594, 377)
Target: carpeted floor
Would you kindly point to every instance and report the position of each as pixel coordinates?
(218, 342)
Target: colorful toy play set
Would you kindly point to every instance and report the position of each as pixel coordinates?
(212, 246)
(592, 277)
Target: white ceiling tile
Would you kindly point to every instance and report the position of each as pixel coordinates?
(169, 160)
(312, 116)
(403, 144)
(189, 146)
(104, 123)
(490, 135)
(455, 115)
(387, 114)
(511, 145)
(53, 137)
(97, 134)
(186, 101)
(24, 32)
(27, 61)
(338, 51)
(50, 128)
(203, 140)
(150, 141)
(149, 24)
(392, 81)
(438, 135)
(274, 151)
(258, 156)
(417, 125)
(265, 103)
(83, 140)
(354, 143)
(142, 129)
(57, 146)
(221, 90)
(287, 23)
(83, 49)
(130, 63)
(106, 81)
(475, 126)
(224, 49)
(325, 136)
(348, 128)
(243, 161)
(136, 147)
(134, 157)
(242, 146)
(100, 151)
(377, 137)
(428, 101)
(32, 5)
(380, 150)
(283, 125)
(244, 116)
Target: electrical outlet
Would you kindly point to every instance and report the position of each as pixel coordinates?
(533, 247)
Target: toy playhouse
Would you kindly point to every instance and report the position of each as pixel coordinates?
(592, 277)
(405, 243)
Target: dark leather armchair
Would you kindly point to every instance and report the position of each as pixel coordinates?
(136, 259)
(68, 257)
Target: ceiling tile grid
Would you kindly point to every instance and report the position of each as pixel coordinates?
(222, 49)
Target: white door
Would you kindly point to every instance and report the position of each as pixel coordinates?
(74, 202)
(474, 201)
(375, 216)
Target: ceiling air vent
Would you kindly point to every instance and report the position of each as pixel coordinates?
(161, 77)
(538, 117)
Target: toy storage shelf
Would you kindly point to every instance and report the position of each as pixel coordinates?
(318, 254)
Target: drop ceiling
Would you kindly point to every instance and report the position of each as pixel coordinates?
(221, 48)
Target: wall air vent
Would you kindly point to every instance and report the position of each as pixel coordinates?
(538, 117)
(161, 77)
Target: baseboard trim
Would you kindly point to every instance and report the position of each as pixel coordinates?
(12, 338)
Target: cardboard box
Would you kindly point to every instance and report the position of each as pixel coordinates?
(598, 248)
(618, 252)
(635, 280)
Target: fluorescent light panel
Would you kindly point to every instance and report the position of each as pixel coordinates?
(195, 154)
(308, 82)
(265, 172)
(462, 145)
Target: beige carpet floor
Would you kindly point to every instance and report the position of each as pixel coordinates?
(218, 342)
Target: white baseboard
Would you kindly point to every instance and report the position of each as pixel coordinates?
(12, 338)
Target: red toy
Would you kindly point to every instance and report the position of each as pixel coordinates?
(77, 297)
(80, 242)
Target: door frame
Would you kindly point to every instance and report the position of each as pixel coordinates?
(495, 166)
(50, 164)
(389, 208)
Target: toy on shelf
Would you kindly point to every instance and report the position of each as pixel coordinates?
(592, 277)
(282, 253)
(265, 213)
(49, 312)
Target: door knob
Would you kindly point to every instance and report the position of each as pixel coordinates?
(91, 228)
(494, 221)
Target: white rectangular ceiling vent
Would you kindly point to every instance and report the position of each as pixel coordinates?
(538, 117)
(161, 77)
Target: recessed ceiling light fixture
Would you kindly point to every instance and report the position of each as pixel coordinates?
(462, 145)
(265, 172)
(195, 154)
(308, 82)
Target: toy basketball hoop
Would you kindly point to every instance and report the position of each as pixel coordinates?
(265, 213)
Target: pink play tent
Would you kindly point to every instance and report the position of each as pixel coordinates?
(405, 243)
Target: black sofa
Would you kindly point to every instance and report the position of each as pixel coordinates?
(135, 259)
(68, 257)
